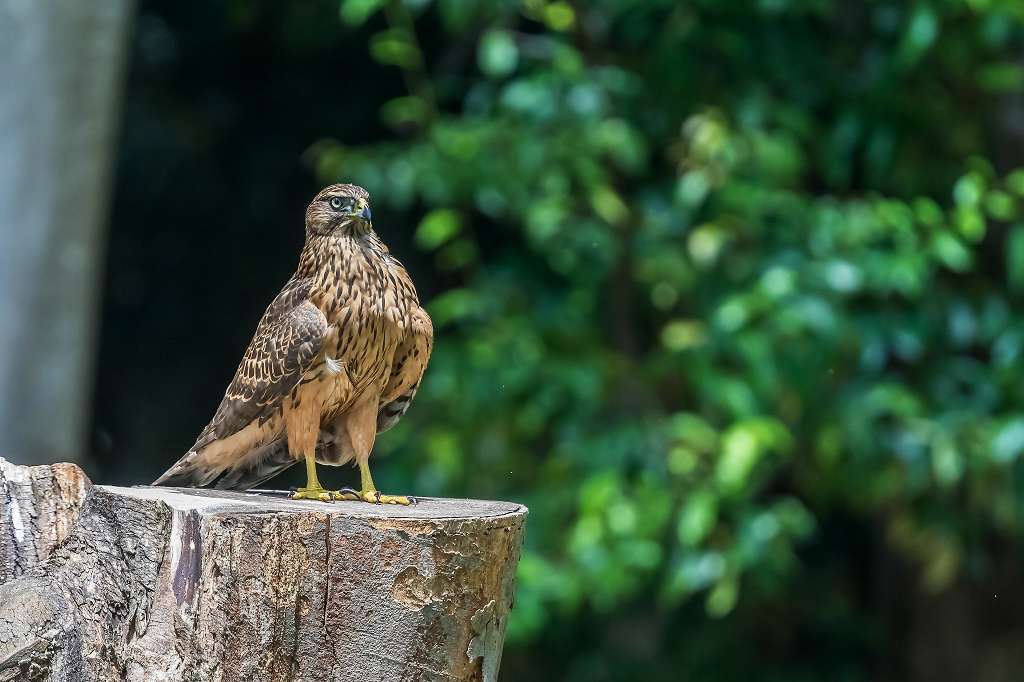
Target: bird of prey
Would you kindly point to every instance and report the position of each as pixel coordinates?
(336, 359)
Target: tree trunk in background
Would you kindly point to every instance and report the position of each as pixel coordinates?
(60, 66)
(186, 584)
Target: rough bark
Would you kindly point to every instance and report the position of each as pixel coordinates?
(60, 66)
(184, 584)
(38, 508)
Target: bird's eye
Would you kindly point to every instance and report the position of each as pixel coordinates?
(337, 203)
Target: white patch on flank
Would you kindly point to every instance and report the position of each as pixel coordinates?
(333, 366)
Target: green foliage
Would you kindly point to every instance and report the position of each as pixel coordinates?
(716, 274)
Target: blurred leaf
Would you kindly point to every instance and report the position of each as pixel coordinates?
(968, 190)
(1001, 77)
(1000, 205)
(437, 227)
(558, 15)
(947, 462)
(697, 518)
(453, 305)
(952, 252)
(404, 111)
(971, 223)
(1015, 258)
(1008, 443)
(705, 243)
(608, 205)
(1015, 182)
(497, 53)
(740, 452)
(722, 599)
(394, 47)
(356, 12)
(921, 33)
(682, 334)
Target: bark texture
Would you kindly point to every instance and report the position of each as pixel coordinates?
(38, 508)
(184, 584)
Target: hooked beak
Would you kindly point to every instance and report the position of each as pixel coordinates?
(365, 214)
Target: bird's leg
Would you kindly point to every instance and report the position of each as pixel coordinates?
(369, 492)
(361, 429)
(313, 489)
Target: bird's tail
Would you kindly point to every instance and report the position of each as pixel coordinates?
(191, 471)
(194, 470)
(257, 466)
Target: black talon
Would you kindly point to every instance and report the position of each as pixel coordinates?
(377, 495)
(413, 501)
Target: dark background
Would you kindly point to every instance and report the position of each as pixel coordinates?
(728, 293)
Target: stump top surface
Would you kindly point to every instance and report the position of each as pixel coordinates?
(209, 501)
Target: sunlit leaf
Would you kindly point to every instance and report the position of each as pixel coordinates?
(497, 53)
(437, 227)
(356, 12)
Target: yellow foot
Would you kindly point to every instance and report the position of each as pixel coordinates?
(318, 494)
(372, 496)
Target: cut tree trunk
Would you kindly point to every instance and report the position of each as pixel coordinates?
(38, 508)
(186, 584)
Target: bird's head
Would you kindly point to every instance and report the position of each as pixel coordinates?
(339, 207)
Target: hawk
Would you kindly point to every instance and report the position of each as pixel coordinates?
(336, 359)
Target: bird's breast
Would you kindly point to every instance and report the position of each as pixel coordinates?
(368, 302)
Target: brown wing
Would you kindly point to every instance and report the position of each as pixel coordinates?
(410, 362)
(287, 340)
(280, 352)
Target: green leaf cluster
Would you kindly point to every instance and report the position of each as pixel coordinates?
(715, 275)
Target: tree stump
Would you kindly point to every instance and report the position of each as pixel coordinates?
(186, 584)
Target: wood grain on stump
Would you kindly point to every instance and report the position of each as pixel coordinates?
(185, 584)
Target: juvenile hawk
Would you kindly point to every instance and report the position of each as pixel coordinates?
(336, 359)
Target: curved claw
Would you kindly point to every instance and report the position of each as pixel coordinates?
(346, 494)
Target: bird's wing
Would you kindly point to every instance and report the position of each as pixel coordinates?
(410, 362)
(287, 341)
(278, 355)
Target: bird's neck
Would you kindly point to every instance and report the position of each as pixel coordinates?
(339, 256)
